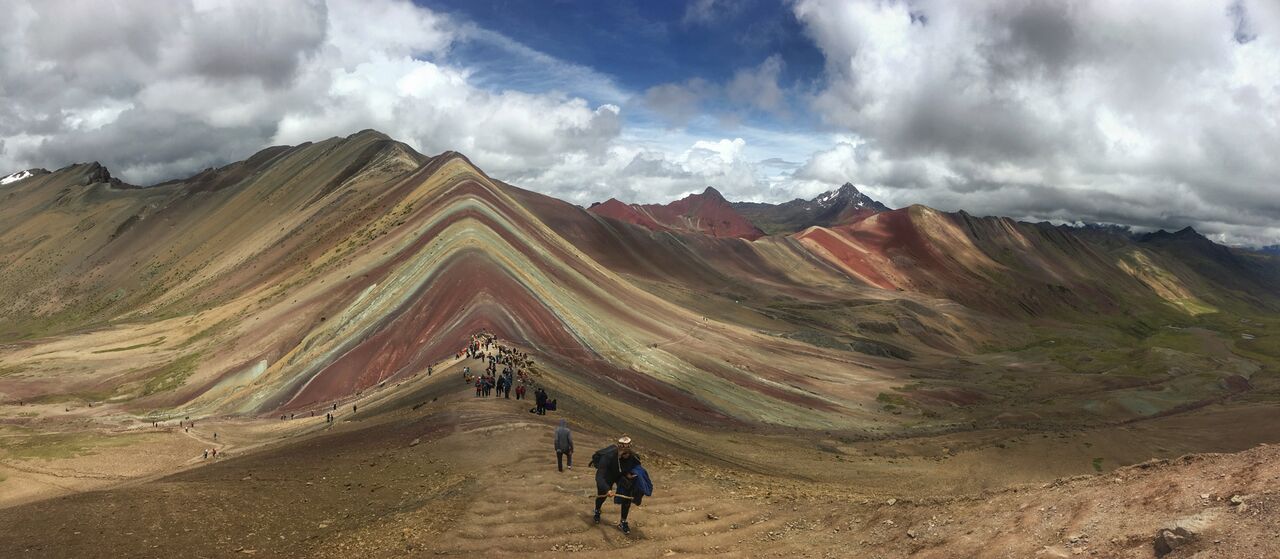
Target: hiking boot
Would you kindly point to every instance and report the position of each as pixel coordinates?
(626, 529)
(596, 517)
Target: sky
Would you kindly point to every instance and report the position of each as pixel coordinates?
(1147, 113)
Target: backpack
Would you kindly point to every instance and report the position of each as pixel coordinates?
(599, 455)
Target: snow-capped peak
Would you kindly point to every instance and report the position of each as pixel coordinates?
(845, 196)
(826, 198)
(847, 193)
(16, 177)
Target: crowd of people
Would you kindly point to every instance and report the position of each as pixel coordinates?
(506, 370)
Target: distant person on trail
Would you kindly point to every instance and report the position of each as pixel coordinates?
(520, 392)
(564, 446)
(618, 464)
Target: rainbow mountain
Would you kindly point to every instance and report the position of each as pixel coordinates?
(306, 274)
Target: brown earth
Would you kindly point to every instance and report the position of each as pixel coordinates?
(475, 477)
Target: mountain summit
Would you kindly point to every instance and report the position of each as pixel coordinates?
(835, 207)
(846, 197)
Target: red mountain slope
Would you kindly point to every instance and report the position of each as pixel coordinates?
(707, 213)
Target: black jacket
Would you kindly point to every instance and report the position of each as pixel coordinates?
(609, 467)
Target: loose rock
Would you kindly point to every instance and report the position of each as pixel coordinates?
(1168, 540)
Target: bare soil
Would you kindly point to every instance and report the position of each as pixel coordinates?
(481, 481)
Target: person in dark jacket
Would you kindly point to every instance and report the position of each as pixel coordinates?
(540, 400)
(564, 446)
(613, 467)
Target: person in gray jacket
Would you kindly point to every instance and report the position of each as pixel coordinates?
(564, 446)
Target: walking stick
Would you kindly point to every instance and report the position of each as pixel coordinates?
(616, 495)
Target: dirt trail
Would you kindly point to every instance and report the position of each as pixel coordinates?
(476, 477)
(519, 504)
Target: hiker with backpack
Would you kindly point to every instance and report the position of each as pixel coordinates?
(617, 464)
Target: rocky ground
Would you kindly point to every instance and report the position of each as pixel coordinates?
(476, 478)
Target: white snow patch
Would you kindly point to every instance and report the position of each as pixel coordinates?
(16, 177)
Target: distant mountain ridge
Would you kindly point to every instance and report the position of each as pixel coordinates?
(708, 213)
(836, 207)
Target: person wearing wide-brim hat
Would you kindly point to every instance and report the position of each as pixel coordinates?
(618, 464)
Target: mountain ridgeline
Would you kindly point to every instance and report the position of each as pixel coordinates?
(837, 207)
(709, 213)
(305, 273)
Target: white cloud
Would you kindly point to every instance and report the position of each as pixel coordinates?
(758, 87)
(678, 103)
(1083, 110)
(1145, 112)
(704, 12)
(222, 79)
(527, 69)
(336, 68)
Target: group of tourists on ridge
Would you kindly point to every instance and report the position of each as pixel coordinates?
(513, 376)
(619, 475)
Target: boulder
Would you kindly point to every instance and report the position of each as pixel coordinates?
(1168, 540)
